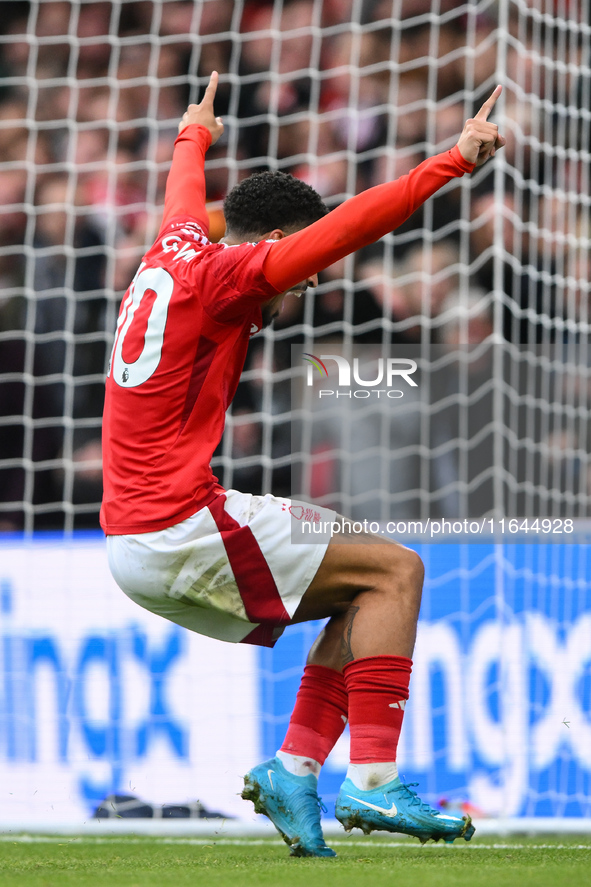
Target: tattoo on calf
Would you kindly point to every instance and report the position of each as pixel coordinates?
(346, 651)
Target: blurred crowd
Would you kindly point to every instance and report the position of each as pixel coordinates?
(361, 92)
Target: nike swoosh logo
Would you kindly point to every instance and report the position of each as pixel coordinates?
(391, 811)
(270, 775)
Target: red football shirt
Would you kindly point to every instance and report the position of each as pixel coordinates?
(184, 326)
(180, 347)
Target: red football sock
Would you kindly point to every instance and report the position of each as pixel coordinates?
(319, 715)
(378, 689)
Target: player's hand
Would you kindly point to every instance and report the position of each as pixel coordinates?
(203, 114)
(480, 139)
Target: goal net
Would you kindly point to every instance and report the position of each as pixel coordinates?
(485, 289)
(344, 95)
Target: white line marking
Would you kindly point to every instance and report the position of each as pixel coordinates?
(339, 842)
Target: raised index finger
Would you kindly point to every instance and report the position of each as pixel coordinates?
(211, 88)
(489, 104)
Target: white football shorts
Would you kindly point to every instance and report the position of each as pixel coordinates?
(235, 570)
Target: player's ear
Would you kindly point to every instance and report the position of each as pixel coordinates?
(275, 234)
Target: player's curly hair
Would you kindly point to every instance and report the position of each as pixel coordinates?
(268, 200)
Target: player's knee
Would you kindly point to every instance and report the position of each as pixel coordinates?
(407, 570)
(416, 569)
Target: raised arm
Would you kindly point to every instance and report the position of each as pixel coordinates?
(373, 213)
(359, 221)
(185, 186)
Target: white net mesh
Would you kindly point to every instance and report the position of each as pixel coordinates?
(344, 94)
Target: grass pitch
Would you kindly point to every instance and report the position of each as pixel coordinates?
(370, 862)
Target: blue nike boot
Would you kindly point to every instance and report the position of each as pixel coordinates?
(393, 807)
(291, 803)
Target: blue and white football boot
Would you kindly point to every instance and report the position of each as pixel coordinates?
(394, 807)
(291, 803)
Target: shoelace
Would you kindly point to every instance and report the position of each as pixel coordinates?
(414, 798)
